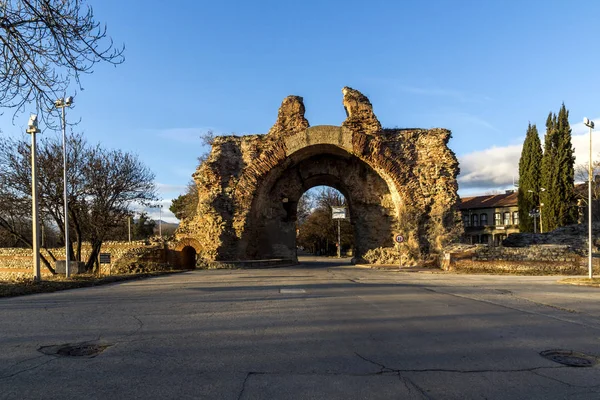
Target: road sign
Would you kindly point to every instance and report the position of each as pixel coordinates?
(399, 238)
(338, 212)
(104, 258)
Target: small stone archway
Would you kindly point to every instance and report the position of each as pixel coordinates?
(188, 257)
(397, 181)
(185, 253)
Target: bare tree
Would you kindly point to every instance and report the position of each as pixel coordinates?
(46, 45)
(317, 230)
(581, 189)
(113, 180)
(102, 186)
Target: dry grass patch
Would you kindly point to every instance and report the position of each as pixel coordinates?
(594, 282)
(55, 283)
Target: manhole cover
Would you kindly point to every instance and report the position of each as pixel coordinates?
(88, 350)
(570, 358)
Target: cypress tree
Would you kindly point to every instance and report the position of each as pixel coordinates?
(529, 178)
(558, 173)
(548, 196)
(565, 171)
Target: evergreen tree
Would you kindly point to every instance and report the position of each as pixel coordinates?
(558, 173)
(529, 178)
(143, 227)
(548, 175)
(565, 171)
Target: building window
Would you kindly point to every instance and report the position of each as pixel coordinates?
(466, 221)
(497, 219)
(516, 217)
(483, 219)
(507, 218)
(475, 219)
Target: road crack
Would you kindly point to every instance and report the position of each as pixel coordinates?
(27, 369)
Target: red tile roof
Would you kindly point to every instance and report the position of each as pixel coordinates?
(490, 201)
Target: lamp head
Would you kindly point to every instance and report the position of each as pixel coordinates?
(68, 101)
(33, 121)
(588, 123)
(32, 125)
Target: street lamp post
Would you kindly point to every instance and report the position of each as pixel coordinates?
(32, 129)
(160, 221)
(62, 103)
(589, 124)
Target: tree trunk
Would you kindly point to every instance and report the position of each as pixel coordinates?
(96, 246)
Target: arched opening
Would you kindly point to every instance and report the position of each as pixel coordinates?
(323, 225)
(271, 232)
(188, 257)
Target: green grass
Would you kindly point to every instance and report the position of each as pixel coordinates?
(58, 282)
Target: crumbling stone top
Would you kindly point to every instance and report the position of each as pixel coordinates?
(290, 118)
(359, 112)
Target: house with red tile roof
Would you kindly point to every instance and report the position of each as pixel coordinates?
(490, 219)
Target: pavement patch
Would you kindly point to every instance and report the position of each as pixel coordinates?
(82, 350)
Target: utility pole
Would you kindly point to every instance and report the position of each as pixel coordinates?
(590, 124)
(62, 103)
(339, 247)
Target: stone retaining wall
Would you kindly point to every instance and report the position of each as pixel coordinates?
(17, 262)
(531, 260)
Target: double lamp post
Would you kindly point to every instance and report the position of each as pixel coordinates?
(32, 129)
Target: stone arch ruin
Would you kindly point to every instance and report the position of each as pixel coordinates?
(397, 181)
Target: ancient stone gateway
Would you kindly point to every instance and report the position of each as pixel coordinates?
(395, 180)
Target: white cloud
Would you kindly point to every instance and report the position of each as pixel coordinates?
(495, 168)
(580, 137)
(489, 169)
(156, 212)
(165, 188)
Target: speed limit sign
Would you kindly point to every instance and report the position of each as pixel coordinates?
(399, 238)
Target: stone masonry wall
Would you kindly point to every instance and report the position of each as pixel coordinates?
(396, 181)
(17, 262)
(535, 259)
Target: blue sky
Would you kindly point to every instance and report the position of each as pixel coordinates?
(482, 69)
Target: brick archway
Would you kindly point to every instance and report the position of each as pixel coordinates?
(187, 242)
(396, 180)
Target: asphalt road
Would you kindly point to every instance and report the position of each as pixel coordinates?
(321, 330)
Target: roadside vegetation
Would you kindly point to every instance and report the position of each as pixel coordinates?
(595, 282)
(56, 283)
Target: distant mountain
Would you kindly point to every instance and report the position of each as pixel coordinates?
(167, 227)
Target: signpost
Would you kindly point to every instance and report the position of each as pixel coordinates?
(338, 213)
(105, 259)
(399, 239)
(535, 214)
